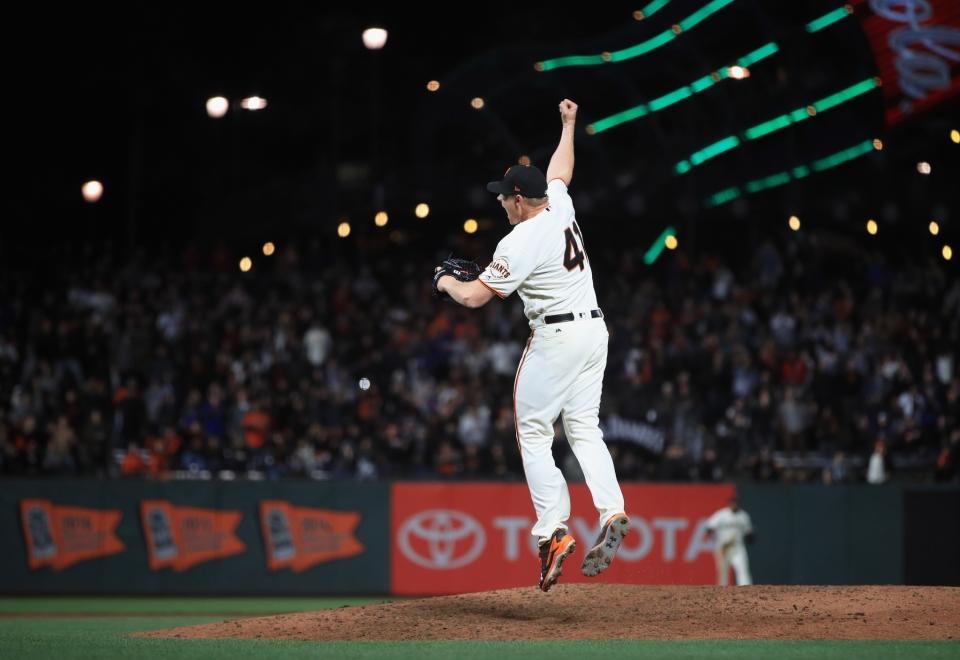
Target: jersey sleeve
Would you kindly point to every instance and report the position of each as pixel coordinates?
(559, 197)
(748, 524)
(512, 264)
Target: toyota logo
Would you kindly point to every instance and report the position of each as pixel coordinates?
(441, 539)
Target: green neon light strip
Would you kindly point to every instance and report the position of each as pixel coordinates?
(653, 8)
(759, 54)
(799, 172)
(724, 196)
(680, 94)
(828, 19)
(640, 49)
(701, 84)
(715, 149)
(669, 99)
(768, 127)
(571, 60)
(702, 14)
(773, 125)
(658, 246)
(842, 156)
(643, 47)
(771, 181)
(801, 114)
(845, 95)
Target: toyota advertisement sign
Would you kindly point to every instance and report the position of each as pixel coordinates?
(456, 538)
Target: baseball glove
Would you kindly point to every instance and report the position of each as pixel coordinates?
(462, 269)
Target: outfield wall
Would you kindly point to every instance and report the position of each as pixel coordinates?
(292, 537)
(143, 537)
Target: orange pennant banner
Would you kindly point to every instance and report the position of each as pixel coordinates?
(60, 536)
(180, 537)
(300, 537)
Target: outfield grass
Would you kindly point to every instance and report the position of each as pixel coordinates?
(108, 637)
(173, 605)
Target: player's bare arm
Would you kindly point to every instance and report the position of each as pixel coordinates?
(469, 294)
(561, 163)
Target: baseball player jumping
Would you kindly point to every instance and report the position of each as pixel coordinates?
(561, 371)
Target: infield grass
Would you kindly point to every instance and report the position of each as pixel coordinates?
(30, 628)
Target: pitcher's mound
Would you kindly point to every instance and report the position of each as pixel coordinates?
(619, 611)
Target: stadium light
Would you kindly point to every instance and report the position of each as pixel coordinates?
(470, 226)
(217, 107)
(381, 219)
(422, 210)
(269, 248)
(738, 72)
(872, 227)
(433, 85)
(947, 252)
(374, 38)
(92, 191)
(934, 227)
(246, 264)
(253, 103)
(343, 229)
(794, 223)
(477, 103)
(924, 167)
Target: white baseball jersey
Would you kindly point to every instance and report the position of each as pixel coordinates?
(561, 370)
(729, 525)
(544, 261)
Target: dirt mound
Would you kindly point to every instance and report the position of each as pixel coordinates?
(616, 611)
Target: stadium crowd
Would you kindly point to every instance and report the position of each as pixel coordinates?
(800, 363)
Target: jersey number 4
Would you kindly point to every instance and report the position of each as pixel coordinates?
(573, 253)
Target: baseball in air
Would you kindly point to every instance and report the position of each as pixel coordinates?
(364, 384)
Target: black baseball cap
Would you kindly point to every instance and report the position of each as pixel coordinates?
(526, 180)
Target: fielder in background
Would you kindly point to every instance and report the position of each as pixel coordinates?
(544, 260)
(730, 528)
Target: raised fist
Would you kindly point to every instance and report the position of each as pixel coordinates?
(568, 111)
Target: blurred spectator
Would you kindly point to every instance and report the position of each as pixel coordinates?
(790, 367)
(837, 472)
(133, 463)
(877, 468)
(61, 449)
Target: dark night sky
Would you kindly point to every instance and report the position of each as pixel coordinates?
(120, 97)
(96, 81)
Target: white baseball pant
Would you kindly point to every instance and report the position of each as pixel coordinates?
(561, 371)
(735, 556)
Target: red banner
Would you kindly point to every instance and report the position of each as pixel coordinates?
(180, 537)
(457, 538)
(60, 536)
(917, 49)
(300, 537)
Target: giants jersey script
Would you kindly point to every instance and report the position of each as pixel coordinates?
(544, 261)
